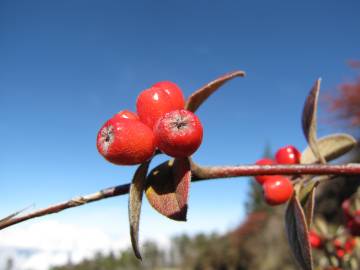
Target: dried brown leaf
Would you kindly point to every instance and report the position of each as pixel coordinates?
(135, 199)
(309, 120)
(330, 147)
(200, 95)
(167, 188)
(297, 233)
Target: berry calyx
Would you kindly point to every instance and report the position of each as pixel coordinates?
(126, 114)
(315, 240)
(158, 100)
(278, 190)
(125, 141)
(288, 155)
(178, 133)
(261, 179)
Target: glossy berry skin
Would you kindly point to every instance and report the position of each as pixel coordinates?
(261, 179)
(288, 155)
(174, 91)
(277, 190)
(126, 114)
(158, 100)
(315, 240)
(125, 141)
(178, 133)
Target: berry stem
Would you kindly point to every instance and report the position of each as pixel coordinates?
(199, 174)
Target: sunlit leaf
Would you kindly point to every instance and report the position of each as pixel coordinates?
(309, 120)
(167, 188)
(200, 95)
(135, 199)
(297, 233)
(330, 147)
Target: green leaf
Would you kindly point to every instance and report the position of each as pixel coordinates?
(297, 234)
(200, 95)
(330, 147)
(167, 188)
(308, 204)
(135, 199)
(309, 120)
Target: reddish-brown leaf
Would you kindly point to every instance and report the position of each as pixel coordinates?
(200, 95)
(309, 120)
(167, 188)
(135, 199)
(297, 233)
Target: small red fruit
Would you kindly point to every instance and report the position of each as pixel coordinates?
(261, 179)
(337, 244)
(174, 91)
(158, 100)
(315, 240)
(178, 133)
(126, 114)
(353, 227)
(340, 253)
(125, 141)
(288, 155)
(350, 244)
(278, 190)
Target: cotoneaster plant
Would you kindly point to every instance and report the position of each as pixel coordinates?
(125, 141)
(288, 155)
(178, 133)
(165, 123)
(156, 101)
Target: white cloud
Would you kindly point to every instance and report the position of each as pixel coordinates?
(52, 242)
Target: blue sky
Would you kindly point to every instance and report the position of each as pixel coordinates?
(67, 66)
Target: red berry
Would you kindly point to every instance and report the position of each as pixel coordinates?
(337, 244)
(340, 253)
(353, 227)
(315, 240)
(288, 155)
(174, 91)
(126, 114)
(278, 190)
(125, 141)
(178, 133)
(261, 179)
(158, 100)
(350, 244)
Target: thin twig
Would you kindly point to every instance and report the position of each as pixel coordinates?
(199, 173)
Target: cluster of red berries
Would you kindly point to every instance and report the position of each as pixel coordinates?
(352, 218)
(341, 247)
(278, 189)
(161, 123)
